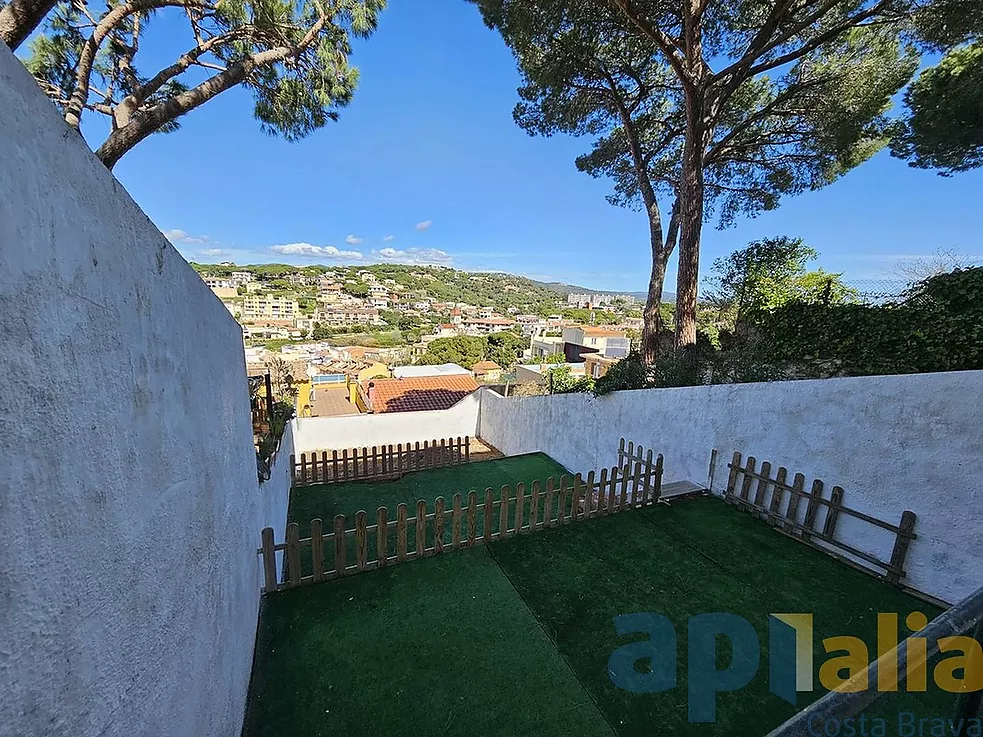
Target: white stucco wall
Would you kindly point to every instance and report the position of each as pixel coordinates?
(129, 505)
(892, 442)
(357, 431)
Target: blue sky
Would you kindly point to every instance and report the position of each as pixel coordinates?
(426, 164)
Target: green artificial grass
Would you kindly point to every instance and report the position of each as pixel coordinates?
(515, 637)
(440, 647)
(698, 556)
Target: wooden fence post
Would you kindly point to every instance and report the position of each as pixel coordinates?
(809, 523)
(293, 553)
(792, 512)
(659, 466)
(472, 517)
(647, 486)
(749, 468)
(421, 528)
(456, 522)
(503, 520)
(438, 525)
(520, 503)
(534, 507)
(901, 543)
(317, 548)
(548, 504)
(339, 545)
(777, 494)
(361, 543)
(612, 489)
(269, 560)
(467, 449)
(763, 483)
(602, 485)
(401, 533)
(623, 499)
(561, 504)
(833, 512)
(487, 536)
(735, 468)
(382, 536)
(588, 495)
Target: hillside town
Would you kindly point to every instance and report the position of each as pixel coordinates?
(350, 340)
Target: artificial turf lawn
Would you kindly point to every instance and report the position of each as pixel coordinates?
(443, 647)
(698, 556)
(398, 646)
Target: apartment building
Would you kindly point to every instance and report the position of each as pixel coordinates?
(269, 307)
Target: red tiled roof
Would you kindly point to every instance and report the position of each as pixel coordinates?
(486, 366)
(417, 393)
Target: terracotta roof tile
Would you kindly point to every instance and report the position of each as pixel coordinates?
(485, 366)
(414, 394)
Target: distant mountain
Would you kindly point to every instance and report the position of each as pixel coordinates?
(565, 289)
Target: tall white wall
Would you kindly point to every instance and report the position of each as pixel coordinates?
(357, 431)
(892, 442)
(129, 505)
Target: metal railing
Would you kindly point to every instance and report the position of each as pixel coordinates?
(843, 704)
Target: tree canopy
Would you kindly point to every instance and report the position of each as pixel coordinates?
(293, 55)
(721, 108)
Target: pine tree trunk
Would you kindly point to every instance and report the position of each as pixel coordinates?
(20, 17)
(652, 315)
(691, 200)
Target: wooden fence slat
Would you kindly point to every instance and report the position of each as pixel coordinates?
(334, 465)
(588, 495)
(293, 554)
(534, 507)
(339, 545)
(602, 485)
(467, 449)
(503, 520)
(356, 471)
(456, 522)
(488, 515)
(438, 525)
(303, 468)
(548, 504)
(647, 486)
(561, 505)
(361, 554)
(365, 462)
(344, 464)
(809, 523)
(382, 536)
(324, 466)
(472, 517)
(833, 512)
(421, 528)
(777, 495)
(399, 458)
(746, 484)
(901, 543)
(637, 485)
(374, 466)
(269, 559)
(625, 477)
(792, 513)
(735, 468)
(612, 489)
(317, 548)
(763, 484)
(631, 452)
(520, 504)
(293, 470)
(660, 462)
(401, 533)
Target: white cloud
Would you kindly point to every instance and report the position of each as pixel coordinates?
(414, 256)
(178, 236)
(311, 251)
(424, 225)
(353, 240)
(389, 239)
(214, 252)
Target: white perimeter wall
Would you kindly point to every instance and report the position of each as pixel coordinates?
(357, 431)
(892, 442)
(129, 505)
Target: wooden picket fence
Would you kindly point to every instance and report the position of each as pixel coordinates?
(378, 462)
(781, 505)
(467, 522)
